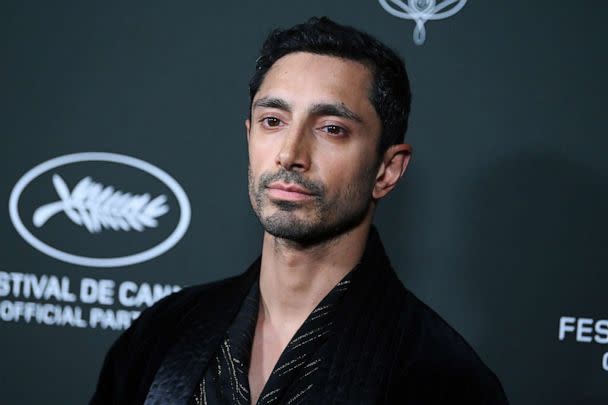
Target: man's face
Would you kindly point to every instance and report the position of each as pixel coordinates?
(313, 139)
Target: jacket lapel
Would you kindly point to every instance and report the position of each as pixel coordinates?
(361, 351)
(202, 334)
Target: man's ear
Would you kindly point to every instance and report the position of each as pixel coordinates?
(247, 127)
(393, 165)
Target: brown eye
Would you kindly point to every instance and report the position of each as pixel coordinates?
(271, 121)
(334, 130)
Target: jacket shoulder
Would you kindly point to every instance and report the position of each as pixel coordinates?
(176, 306)
(133, 359)
(440, 363)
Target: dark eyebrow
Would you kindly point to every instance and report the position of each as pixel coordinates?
(335, 109)
(338, 110)
(272, 102)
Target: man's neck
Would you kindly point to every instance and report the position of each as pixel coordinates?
(294, 279)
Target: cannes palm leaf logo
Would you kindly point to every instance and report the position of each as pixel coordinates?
(96, 207)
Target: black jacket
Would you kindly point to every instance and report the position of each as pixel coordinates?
(387, 346)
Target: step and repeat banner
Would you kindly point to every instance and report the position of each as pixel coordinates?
(124, 177)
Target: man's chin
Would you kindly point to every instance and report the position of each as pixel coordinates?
(307, 229)
(286, 205)
(285, 224)
(301, 232)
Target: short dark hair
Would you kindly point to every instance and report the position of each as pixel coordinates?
(390, 94)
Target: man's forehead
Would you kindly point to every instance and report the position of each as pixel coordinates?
(305, 80)
(307, 65)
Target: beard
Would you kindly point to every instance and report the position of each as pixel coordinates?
(316, 220)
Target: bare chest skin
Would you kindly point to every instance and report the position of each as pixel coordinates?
(268, 344)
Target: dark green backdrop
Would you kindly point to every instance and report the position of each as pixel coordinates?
(500, 224)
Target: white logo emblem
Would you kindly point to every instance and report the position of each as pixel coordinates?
(93, 206)
(99, 208)
(422, 11)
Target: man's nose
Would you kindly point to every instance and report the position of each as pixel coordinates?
(294, 153)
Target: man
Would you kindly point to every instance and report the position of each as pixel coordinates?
(321, 316)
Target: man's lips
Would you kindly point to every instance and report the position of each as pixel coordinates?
(285, 191)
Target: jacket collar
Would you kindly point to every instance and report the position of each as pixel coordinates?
(204, 330)
(201, 335)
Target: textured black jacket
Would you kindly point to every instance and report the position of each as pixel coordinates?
(387, 346)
